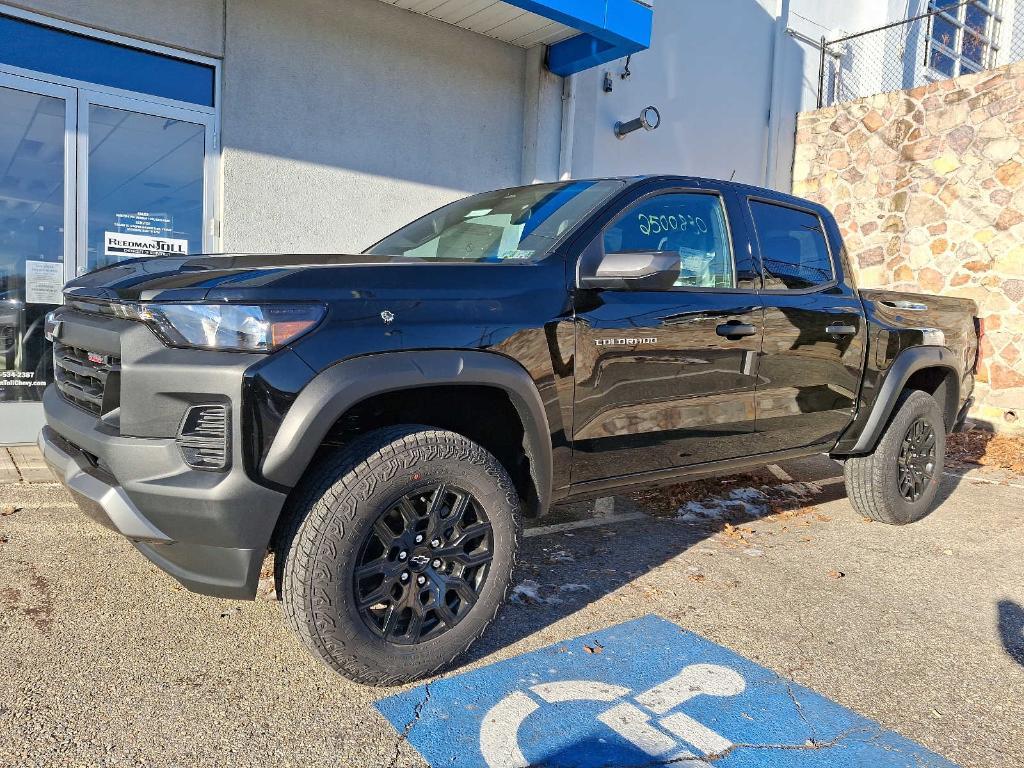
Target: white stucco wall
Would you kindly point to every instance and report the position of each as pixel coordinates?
(344, 120)
(708, 73)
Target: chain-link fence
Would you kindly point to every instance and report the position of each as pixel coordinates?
(954, 37)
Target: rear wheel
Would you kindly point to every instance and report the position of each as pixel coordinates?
(897, 483)
(400, 553)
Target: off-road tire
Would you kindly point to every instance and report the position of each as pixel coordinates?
(872, 481)
(330, 515)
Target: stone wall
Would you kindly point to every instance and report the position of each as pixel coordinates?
(928, 188)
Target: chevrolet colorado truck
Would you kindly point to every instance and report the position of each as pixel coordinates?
(381, 422)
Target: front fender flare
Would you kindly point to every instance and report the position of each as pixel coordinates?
(335, 390)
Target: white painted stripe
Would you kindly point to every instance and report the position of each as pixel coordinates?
(635, 727)
(692, 732)
(694, 680)
(499, 732)
(829, 481)
(780, 473)
(590, 522)
(578, 690)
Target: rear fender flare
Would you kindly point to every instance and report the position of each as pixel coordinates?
(335, 390)
(906, 364)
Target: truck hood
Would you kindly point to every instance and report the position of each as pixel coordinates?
(270, 277)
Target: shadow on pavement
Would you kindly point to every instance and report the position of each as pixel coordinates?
(580, 567)
(1011, 629)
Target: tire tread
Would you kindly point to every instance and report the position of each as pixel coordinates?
(869, 478)
(311, 509)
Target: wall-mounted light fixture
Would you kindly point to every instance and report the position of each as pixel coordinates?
(649, 119)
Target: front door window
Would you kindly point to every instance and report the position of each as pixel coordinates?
(32, 216)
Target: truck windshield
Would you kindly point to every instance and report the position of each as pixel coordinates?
(511, 225)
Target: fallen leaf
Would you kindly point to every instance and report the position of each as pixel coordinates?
(595, 648)
(10, 509)
(698, 577)
(836, 574)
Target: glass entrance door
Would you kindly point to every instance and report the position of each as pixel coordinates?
(107, 152)
(87, 179)
(142, 181)
(37, 195)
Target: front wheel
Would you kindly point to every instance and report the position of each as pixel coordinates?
(897, 483)
(400, 553)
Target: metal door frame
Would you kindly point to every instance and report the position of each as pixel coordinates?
(70, 97)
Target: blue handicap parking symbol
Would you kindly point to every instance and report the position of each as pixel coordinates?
(646, 692)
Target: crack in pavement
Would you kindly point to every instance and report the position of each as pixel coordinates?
(799, 708)
(683, 761)
(416, 713)
(810, 746)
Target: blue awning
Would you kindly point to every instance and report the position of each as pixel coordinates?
(609, 30)
(580, 34)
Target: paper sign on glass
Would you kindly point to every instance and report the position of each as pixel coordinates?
(44, 282)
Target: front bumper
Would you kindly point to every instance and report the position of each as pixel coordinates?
(209, 530)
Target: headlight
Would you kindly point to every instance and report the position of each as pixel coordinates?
(238, 327)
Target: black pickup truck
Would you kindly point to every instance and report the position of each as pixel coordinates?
(381, 421)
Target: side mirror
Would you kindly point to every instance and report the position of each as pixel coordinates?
(638, 271)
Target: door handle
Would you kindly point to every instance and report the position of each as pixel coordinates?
(840, 329)
(735, 330)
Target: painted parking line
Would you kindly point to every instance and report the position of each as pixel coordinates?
(780, 473)
(588, 522)
(640, 693)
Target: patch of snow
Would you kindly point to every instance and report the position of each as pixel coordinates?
(574, 588)
(747, 494)
(527, 592)
(743, 504)
(747, 503)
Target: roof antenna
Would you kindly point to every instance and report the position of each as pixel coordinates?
(732, 175)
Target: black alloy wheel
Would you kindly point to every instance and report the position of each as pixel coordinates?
(917, 460)
(423, 565)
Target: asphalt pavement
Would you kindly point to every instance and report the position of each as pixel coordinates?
(106, 661)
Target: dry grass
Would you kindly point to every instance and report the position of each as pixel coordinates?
(986, 449)
(669, 498)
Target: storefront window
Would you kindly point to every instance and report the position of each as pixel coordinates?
(145, 186)
(31, 236)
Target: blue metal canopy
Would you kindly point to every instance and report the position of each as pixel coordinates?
(609, 30)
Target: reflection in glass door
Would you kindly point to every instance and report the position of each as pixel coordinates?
(144, 192)
(35, 221)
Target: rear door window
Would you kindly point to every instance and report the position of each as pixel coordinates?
(794, 253)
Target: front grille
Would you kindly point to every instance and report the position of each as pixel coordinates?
(90, 380)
